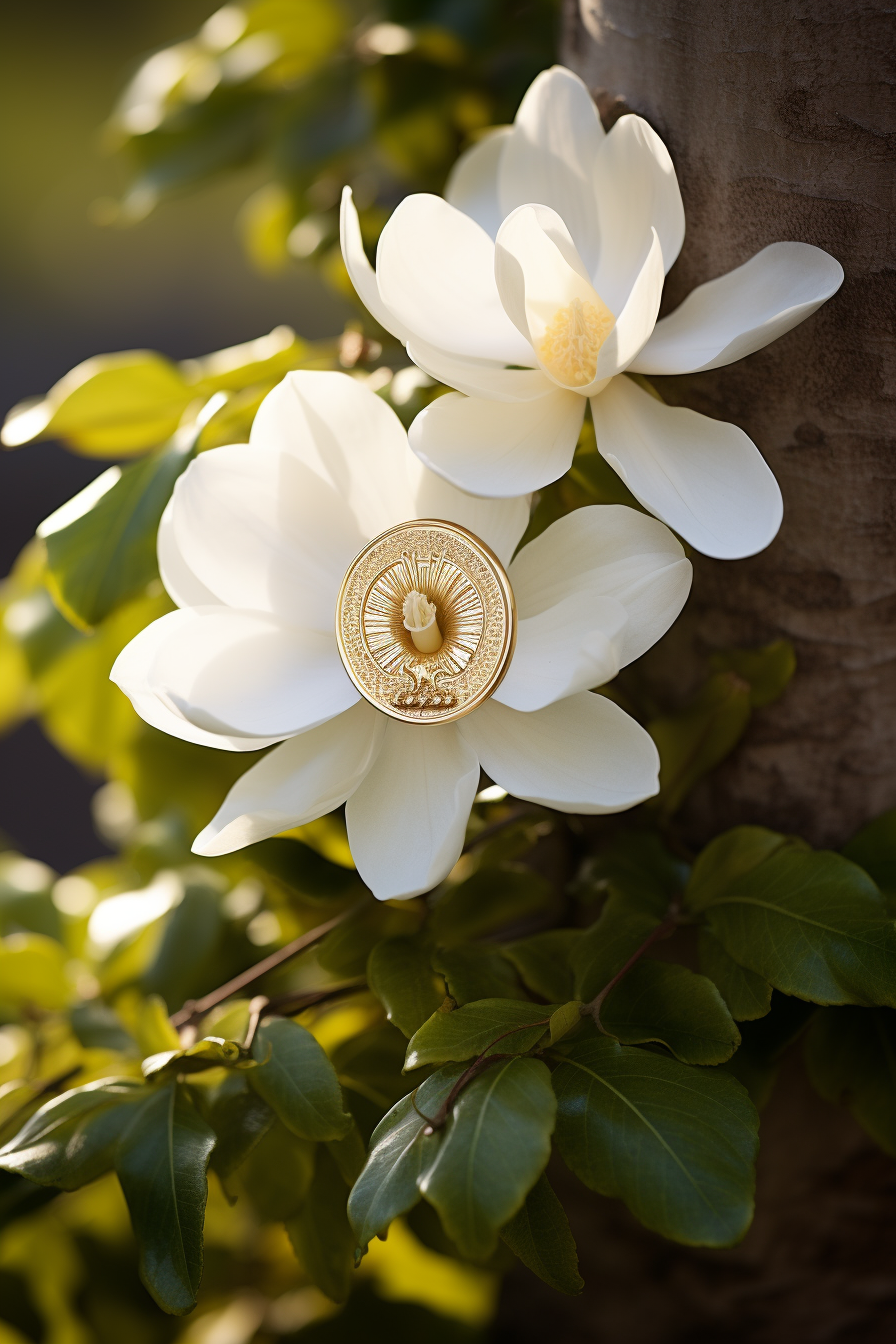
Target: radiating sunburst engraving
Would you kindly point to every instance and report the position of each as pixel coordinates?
(466, 583)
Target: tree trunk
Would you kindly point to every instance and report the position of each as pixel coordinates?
(779, 117)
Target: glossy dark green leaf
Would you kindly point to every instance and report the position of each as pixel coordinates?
(636, 867)
(345, 949)
(494, 1148)
(544, 962)
(98, 1027)
(349, 1154)
(297, 1080)
(874, 849)
(321, 1233)
(539, 1235)
(372, 1063)
(71, 1139)
(491, 900)
(813, 924)
(767, 670)
(107, 554)
(851, 1057)
(399, 972)
(477, 973)
(399, 1155)
(603, 949)
(187, 952)
(302, 870)
(161, 1162)
(469, 1031)
(697, 738)
(277, 1174)
(747, 995)
(664, 1002)
(676, 1143)
(240, 1119)
(731, 855)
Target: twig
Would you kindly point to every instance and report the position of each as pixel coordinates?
(663, 930)
(479, 1065)
(193, 1009)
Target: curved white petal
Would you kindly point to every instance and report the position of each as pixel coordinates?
(477, 378)
(263, 532)
(552, 153)
(246, 673)
(636, 321)
(132, 670)
(498, 522)
(181, 584)
(472, 184)
(636, 190)
(567, 648)
(436, 271)
(601, 551)
(581, 754)
(360, 271)
(302, 779)
(742, 311)
(703, 477)
(406, 821)
(496, 448)
(348, 436)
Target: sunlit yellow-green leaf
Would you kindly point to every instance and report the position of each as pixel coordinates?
(32, 971)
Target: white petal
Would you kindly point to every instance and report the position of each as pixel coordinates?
(637, 319)
(131, 672)
(181, 584)
(436, 271)
(581, 754)
(703, 477)
(472, 184)
(498, 522)
(302, 779)
(406, 822)
(348, 436)
(567, 648)
(361, 273)
(496, 448)
(247, 674)
(607, 550)
(264, 532)
(552, 153)
(636, 190)
(742, 311)
(478, 378)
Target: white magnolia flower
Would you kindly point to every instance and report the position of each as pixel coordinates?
(254, 547)
(538, 281)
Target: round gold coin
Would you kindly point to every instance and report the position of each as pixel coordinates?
(459, 577)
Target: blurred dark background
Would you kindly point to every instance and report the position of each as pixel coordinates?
(178, 282)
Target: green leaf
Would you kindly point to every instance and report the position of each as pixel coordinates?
(345, 949)
(71, 1140)
(101, 545)
(470, 1031)
(186, 954)
(32, 971)
(731, 855)
(399, 1155)
(676, 1143)
(747, 995)
(401, 976)
(321, 1234)
(664, 1002)
(473, 973)
(98, 1027)
(240, 1119)
(696, 739)
(161, 1162)
(349, 1154)
(277, 1174)
(874, 849)
(606, 946)
(212, 1052)
(487, 902)
(767, 670)
(851, 1057)
(813, 924)
(539, 1235)
(543, 962)
(564, 1019)
(495, 1146)
(763, 1042)
(302, 870)
(636, 867)
(372, 1064)
(297, 1080)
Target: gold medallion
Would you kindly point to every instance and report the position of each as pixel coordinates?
(426, 622)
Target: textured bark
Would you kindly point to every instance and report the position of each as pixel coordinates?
(780, 118)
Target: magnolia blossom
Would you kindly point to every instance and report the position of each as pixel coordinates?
(538, 282)
(253, 548)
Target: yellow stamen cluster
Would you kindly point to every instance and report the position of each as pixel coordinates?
(574, 336)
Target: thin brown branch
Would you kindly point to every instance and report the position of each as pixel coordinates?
(663, 930)
(193, 1009)
(479, 1065)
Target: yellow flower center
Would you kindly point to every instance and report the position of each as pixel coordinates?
(572, 340)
